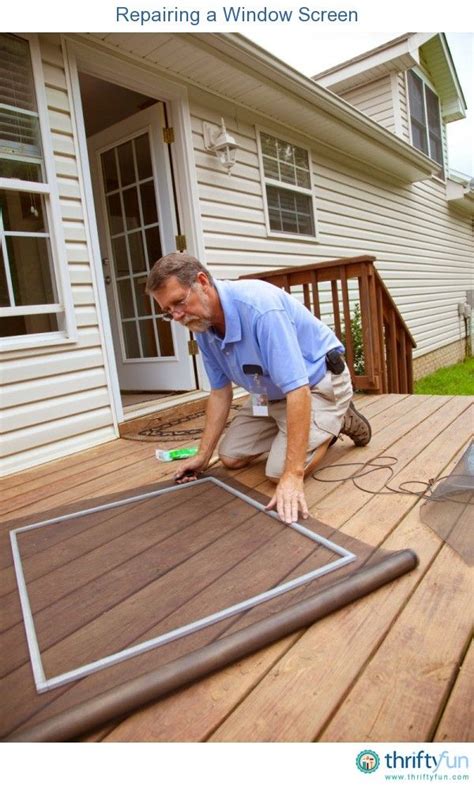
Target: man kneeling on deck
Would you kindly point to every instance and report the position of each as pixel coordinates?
(263, 339)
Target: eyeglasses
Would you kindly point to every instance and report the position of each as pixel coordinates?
(176, 308)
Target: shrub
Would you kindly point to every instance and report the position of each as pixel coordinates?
(357, 342)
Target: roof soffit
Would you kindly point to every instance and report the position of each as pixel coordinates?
(437, 59)
(232, 68)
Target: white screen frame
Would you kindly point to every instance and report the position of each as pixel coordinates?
(44, 684)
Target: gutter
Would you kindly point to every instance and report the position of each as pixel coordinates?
(254, 60)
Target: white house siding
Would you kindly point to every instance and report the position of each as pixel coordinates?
(424, 248)
(404, 111)
(55, 399)
(375, 99)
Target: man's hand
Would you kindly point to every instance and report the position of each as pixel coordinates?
(190, 469)
(217, 410)
(289, 497)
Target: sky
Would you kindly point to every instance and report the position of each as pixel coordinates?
(310, 54)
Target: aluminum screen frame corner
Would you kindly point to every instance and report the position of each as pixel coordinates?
(44, 684)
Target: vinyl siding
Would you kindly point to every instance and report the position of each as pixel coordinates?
(386, 102)
(424, 248)
(56, 399)
(375, 100)
(404, 112)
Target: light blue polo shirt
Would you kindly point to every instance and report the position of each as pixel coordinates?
(266, 327)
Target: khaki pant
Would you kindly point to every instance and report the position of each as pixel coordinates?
(249, 435)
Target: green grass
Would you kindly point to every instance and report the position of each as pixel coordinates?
(455, 380)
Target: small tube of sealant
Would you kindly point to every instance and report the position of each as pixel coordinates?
(178, 453)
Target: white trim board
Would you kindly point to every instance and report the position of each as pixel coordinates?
(44, 684)
(90, 57)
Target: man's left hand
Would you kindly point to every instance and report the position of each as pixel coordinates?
(289, 498)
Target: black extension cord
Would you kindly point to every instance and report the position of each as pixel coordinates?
(370, 467)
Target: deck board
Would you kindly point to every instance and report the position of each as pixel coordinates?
(400, 694)
(330, 656)
(457, 721)
(307, 686)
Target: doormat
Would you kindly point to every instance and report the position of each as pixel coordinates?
(175, 430)
(129, 597)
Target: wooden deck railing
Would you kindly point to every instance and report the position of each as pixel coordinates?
(380, 360)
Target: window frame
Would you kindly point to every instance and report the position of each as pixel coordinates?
(64, 308)
(441, 175)
(286, 187)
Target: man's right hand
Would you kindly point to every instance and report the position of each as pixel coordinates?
(217, 410)
(190, 469)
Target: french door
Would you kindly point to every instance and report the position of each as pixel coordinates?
(136, 215)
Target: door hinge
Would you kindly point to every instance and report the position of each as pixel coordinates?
(181, 244)
(168, 135)
(193, 348)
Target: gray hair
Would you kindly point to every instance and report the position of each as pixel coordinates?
(183, 266)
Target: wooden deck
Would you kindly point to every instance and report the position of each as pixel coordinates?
(396, 665)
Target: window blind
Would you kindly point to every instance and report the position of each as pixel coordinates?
(19, 123)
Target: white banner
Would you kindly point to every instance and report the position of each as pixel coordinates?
(199, 16)
(219, 764)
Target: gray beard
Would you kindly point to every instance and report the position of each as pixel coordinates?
(198, 325)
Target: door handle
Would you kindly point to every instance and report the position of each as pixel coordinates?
(107, 279)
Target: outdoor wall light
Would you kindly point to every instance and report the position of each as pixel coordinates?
(221, 143)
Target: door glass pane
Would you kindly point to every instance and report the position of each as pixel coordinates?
(127, 168)
(109, 169)
(31, 270)
(114, 210)
(137, 253)
(142, 300)
(153, 245)
(126, 299)
(130, 337)
(142, 152)
(135, 248)
(120, 256)
(148, 338)
(150, 215)
(132, 211)
(165, 338)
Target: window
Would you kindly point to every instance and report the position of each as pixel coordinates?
(30, 301)
(425, 118)
(286, 171)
